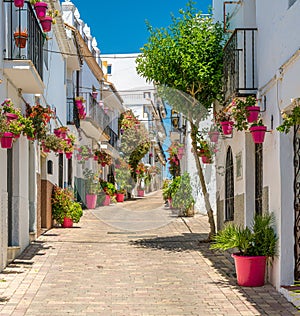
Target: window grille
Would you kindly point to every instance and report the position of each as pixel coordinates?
(258, 178)
(229, 187)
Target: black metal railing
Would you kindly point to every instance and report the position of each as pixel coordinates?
(113, 137)
(240, 73)
(20, 19)
(72, 113)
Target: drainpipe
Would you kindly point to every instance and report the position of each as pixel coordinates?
(224, 13)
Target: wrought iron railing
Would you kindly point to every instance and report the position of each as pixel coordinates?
(113, 137)
(72, 113)
(23, 19)
(240, 73)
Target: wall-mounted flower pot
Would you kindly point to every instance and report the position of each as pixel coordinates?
(45, 149)
(106, 201)
(79, 104)
(19, 3)
(91, 200)
(258, 133)
(11, 116)
(227, 127)
(67, 223)
(253, 112)
(206, 159)
(69, 155)
(57, 132)
(6, 140)
(213, 136)
(250, 270)
(120, 197)
(40, 9)
(46, 23)
(20, 39)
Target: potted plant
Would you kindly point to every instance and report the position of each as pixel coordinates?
(19, 3)
(183, 199)
(49, 19)
(103, 158)
(224, 119)
(258, 131)
(254, 244)
(21, 38)
(65, 210)
(6, 137)
(79, 102)
(204, 150)
(289, 120)
(92, 187)
(140, 171)
(123, 177)
(109, 190)
(40, 8)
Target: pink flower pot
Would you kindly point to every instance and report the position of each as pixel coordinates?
(250, 270)
(95, 94)
(40, 9)
(214, 136)
(79, 157)
(120, 197)
(140, 193)
(46, 23)
(95, 158)
(206, 159)
(79, 104)
(67, 223)
(6, 140)
(258, 133)
(63, 134)
(69, 155)
(57, 132)
(170, 202)
(180, 151)
(253, 112)
(91, 200)
(106, 201)
(226, 127)
(11, 116)
(19, 3)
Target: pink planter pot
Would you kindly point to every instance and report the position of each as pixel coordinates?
(250, 270)
(140, 193)
(91, 200)
(258, 133)
(227, 127)
(79, 104)
(40, 9)
(206, 159)
(214, 136)
(95, 94)
(46, 23)
(11, 116)
(6, 140)
(19, 3)
(253, 112)
(57, 132)
(63, 134)
(69, 155)
(170, 203)
(106, 201)
(67, 223)
(120, 197)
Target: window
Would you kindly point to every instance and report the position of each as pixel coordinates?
(109, 69)
(229, 187)
(291, 2)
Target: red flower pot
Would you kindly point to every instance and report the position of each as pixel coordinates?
(214, 136)
(253, 112)
(140, 193)
(250, 270)
(69, 155)
(46, 150)
(120, 197)
(206, 159)
(226, 127)
(95, 158)
(106, 201)
(19, 3)
(258, 133)
(6, 140)
(91, 200)
(67, 223)
(40, 9)
(103, 164)
(57, 132)
(46, 23)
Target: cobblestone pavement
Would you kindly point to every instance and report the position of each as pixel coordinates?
(96, 268)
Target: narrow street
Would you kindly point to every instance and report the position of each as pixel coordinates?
(97, 268)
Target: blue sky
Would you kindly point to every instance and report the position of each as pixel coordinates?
(119, 26)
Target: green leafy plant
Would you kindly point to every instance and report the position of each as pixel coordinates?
(258, 240)
(92, 181)
(289, 120)
(108, 188)
(240, 112)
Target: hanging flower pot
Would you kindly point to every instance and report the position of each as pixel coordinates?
(95, 158)
(19, 3)
(20, 39)
(258, 133)
(67, 223)
(11, 116)
(69, 155)
(252, 113)
(227, 127)
(206, 159)
(6, 140)
(79, 104)
(46, 23)
(214, 136)
(40, 9)
(79, 157)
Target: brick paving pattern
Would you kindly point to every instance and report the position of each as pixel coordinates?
(98, 269)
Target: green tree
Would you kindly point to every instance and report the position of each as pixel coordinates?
(185, 61)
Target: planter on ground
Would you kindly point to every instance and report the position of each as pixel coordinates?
(91, 200)
(120, 197)
(106, 201)
(67, 223)
(140, 193)
(20, 39)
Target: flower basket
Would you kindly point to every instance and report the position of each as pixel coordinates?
(20, 39)
(258, 133)
(252, 113)
(19, 3)
(67, 223)
(227, 127)
(6, 140)
(40, 9)
(46, 23)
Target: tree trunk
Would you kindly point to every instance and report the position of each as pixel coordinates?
(203, 184)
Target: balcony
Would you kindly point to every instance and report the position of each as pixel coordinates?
(240, 59)
(23, 65)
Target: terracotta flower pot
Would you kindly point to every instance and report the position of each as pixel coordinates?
(46, 23)
(19, 3)
(67, 223)
(6, 140)
(258, 133)
(40, 9)
(20, 39)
